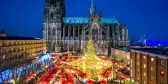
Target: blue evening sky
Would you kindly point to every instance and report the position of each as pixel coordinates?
(25, 17)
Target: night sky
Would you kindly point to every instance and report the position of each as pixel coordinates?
(25, 17)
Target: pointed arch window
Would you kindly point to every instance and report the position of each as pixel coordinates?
(52, 15)
(95, 31)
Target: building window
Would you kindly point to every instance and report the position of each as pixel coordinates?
(138, 63)
(162, 63)
(137, 78)
(152, 59)
(138, 70)
(144, 57)
(144, 74)
(162, 73)
(151, 69)
(151, 78)
(144, 65)
(138, 56)
(144, 82)
(161, 82)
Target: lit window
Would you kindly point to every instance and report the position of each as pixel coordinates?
(162, 63)
(144, 65)
(138, 70)
(152, 78)
(152, 59)
(138, 56)
(137, 78)
(144, 82)
(138, 63)
(144, 57)
(162, 73)
(144, 74)
(161, 82)
(151, 68)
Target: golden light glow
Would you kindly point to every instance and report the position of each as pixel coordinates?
(3, 35)
(90, 63)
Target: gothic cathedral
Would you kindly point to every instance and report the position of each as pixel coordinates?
(71, 33)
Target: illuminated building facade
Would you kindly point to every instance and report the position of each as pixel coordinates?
(71, 33)
(149, 66)
(18, 52)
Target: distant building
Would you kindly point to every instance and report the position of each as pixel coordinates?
(143, 46)
(71, 33)
(149, 66)
(2, 34)
(148, 44)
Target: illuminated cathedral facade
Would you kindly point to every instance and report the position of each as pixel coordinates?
(71, 33)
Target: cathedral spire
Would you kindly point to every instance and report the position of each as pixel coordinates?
(92, 7)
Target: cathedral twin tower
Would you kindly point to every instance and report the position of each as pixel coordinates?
(71, 33)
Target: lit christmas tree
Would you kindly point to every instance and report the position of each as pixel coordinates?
(90, 63)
